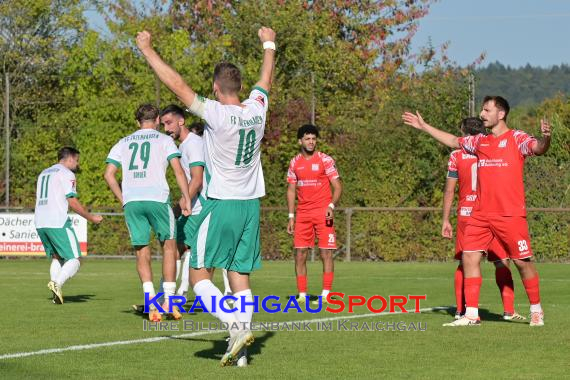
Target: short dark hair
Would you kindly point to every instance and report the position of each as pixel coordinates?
(197, 127)
(146, 112)
(65, 152)
(472, 126)
(172, 108)
(228, 77)
(307, 129)
(500, 102)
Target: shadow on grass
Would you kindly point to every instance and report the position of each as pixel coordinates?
(219, 347)
(77, 298)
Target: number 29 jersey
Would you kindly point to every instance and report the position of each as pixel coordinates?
(232, 142)
(143, 157)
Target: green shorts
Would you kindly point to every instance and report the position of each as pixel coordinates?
(186, 228)
(227, 236)
(62, 241)
(141, 216)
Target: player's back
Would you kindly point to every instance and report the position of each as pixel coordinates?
(465, 166)
(55, 184)
(232, 139)
(143, 157)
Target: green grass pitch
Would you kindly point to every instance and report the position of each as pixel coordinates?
(98, 310)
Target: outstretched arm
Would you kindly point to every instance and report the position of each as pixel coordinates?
(542, 145)
(416, 121)
(267, 35)
(165, 73)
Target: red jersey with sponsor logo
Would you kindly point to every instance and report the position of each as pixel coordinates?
(463, 166)
(500, 187)
(312, 177)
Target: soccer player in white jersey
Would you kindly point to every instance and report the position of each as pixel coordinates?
(228, 226)
(143, 157)
(55, 193)
(193, 162)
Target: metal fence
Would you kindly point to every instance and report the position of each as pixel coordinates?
(363, 234)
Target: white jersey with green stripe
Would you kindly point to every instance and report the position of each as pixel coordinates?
(144, 157)
(232, 140)
(55, 185)
(192, 150)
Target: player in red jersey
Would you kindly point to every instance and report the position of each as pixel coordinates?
(462, 169)
(309, 175)
(500, 208)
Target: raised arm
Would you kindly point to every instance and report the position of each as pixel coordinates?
(165, 73)
(267, 37)
(541, 146)
(416, 121)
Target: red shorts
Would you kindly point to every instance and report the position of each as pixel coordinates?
(310, 222)
(510, 231)
(496, 252)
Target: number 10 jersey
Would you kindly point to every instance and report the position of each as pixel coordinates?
(232, 142)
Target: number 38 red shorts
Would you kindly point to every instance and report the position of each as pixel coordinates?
(311, 223)
(510, 231)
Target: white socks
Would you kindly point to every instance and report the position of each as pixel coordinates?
(68, 270)
(246, 315)
(169, 289)
(148, 287)
(535, 308)
(177, 269)
(472, 312)
(185, 273)
(54, 269)
(325, 293)
(206, 289)
(227, 287)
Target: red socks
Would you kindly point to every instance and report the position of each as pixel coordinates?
(505, 283)
(459, 296)
(472, 287)
(328, 280)
(532, 288)
(302, 284)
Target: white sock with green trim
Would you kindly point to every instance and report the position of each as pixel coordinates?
(68, 270)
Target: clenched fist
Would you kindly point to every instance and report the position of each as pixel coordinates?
(266, 34)
(144, 40)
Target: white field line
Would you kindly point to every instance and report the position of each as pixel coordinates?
(18, 355)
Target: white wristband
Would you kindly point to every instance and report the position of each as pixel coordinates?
(331, 205)
(269, 45)
(291, 215)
